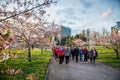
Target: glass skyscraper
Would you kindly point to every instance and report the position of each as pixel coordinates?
(118, 25)
(65, 31)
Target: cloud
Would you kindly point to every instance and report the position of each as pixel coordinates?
(87, 3)
(83, 14)
(65, 22)
(66, 11)
(107, 13)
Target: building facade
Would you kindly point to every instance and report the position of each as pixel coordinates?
(118, 25)
(65, 31)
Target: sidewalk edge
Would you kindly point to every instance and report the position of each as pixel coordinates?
(48, 69)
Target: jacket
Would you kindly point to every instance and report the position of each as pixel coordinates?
(61, 52)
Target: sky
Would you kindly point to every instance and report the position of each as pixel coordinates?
(84, 14)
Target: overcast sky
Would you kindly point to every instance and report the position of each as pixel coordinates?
(84, 14)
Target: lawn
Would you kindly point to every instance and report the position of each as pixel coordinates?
(108, 57)
(37, 68)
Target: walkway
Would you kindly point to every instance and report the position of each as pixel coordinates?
(81, 71)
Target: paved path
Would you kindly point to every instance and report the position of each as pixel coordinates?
(81, 71)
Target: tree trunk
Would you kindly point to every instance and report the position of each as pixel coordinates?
(29, 54)
(42, 47)
(42, 50)
(117, 53)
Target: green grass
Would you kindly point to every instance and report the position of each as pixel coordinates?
(38, 66)
(108, 57)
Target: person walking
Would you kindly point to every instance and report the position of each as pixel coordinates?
(85, 52)
(63, 56)
(72, 53)
(67, 55)
(55, 50)
(60, 54)
(76, 54)
(53, 54)
(90, 55)
(80, 54)
(95, 54)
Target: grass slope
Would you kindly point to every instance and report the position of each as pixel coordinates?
(108, 57)
(38, 65)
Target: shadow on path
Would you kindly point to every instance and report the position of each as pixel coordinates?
(81, 71)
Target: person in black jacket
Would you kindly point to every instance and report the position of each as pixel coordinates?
(72, 53)
(76, 54)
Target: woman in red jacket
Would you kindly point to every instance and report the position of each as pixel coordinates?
(56, 52)
(61, 54)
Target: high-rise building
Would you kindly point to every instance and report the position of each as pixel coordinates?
(118, 25)
(65, 31)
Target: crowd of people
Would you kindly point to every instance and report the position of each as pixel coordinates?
(79, 54)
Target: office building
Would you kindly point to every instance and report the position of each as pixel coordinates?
(118, 25)
(65, 31)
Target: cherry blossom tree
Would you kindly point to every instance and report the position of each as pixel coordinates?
(115, 41)
(5, 41)
(111, 41)
(20, 20)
